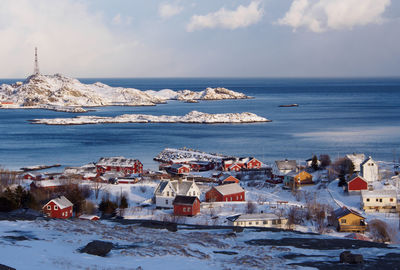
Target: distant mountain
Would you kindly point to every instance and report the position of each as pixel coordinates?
(58, 91)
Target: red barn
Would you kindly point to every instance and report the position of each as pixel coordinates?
(59, 207)
(226, 193)
(357, 184)
(119, 164)
(179, 169)
(253, 163)
(186, 206)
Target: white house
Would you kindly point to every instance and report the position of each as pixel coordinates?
(283, 167)
(166, 192)
(266, 220)
(369, 170)
(384, 200)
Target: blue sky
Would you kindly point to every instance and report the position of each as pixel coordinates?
(207, 38)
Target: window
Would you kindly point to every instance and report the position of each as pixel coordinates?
(391, 199)
(55, 207)
(380, 200)
(377, 200)
(194, 193)
(189, 209)
(256, 222)
(49, 207)
(184, 209)
(343, 221)
(237, 197)
(167, 193)
(279, 221)
(367, 199)
(241, 196)
(166, 201)
(231, 198)
(62, 214)
(273, 222)
(70, 211)
(249, 223)
(265, 222)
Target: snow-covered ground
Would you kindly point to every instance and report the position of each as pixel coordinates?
(194, 117)
(55, 91)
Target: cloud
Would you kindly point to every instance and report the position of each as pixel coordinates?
(120, 20)
(169, 10)
(323, 15)
(242, 17)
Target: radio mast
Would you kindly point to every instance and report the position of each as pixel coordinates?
(36, 70)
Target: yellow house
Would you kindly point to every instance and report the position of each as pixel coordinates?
(303, 178)
(347, 220)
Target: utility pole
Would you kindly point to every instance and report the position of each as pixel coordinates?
(36, 69)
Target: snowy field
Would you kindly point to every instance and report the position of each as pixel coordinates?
(54, 244)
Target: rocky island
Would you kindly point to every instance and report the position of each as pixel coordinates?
(194, 117)
(60, 93)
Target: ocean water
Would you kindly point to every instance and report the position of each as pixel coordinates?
(335, 117)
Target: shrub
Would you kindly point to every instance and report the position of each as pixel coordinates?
(380, 231)
(107, 206)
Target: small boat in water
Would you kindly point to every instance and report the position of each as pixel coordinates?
(289, 105)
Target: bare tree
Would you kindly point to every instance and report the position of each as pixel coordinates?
(97, 186)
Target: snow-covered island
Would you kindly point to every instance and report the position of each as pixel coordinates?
(60, 93)
(194, 117)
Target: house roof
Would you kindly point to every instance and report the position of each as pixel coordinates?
(178, 166)
(250, 217)
(226, 176)
(286, 164)
(62, 202)
(381, 193)
(182, 187)
(357, 159)
(344, 211)
(186, 200)
(366, 160)
(48, 183)
(357, 176)
(229, 189)
(160, 188)
(117, 161)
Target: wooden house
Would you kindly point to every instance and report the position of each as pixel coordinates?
(59, 207)
(179, 169)
(225, 193)
(379, 201)
(89, 217)
(283, 167)
(369, 170)
(201, 166)
(347, 220)
(253, 163)
(356, 185)
(228, 179)
(166, 192)
(265, 220)
(119, 164)
(186, 205)
(298, 179)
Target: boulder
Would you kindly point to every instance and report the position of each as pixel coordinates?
(5, 267)
(99, 248)
(348, 257)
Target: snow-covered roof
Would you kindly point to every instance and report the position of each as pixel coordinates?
(380, 193)
(366, 160)
(182, 187)
(185, 200)
(250, 217)
(229, 189)
(286, 164)
(49, 183)
(62, 202)
(357, 159)
(89, 217)
(117, 161)
(178, 166)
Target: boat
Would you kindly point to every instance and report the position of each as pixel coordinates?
(289, 105)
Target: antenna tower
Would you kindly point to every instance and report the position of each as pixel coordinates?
(36, 70)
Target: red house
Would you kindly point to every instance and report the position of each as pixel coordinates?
(179, 169)
(253, 163)
(235, 167)
(226, 193)
(186, 206)
(357, 184)
(59, 207)
(119, 164)
(228, 179)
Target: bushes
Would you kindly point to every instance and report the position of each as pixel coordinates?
(380, 231)
(17, 198)
(107, 206)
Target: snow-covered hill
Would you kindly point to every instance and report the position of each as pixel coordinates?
(192, 117)
(58, 90)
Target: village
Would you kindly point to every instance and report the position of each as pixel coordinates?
(353, 197)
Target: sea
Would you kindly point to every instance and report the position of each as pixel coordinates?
(334, 116)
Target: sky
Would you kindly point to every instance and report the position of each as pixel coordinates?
(207, 38)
